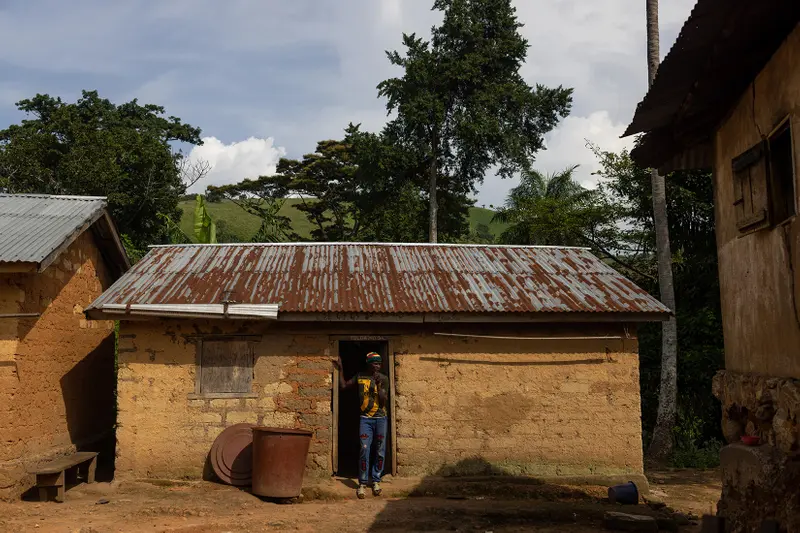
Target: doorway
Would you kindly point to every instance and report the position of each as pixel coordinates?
(348, 412)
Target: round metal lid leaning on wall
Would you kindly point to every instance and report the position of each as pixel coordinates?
(231, 455)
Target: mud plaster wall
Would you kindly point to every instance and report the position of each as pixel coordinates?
(544, 408)
(760, 272)
(565, 408)
(57, 370)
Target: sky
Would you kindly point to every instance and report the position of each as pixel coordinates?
(266, 79)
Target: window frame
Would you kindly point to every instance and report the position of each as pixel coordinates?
(755, 164)
(783, 125)
(198, 341)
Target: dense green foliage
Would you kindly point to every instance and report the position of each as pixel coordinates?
(93, 147)
(700, 345)
(462, 106)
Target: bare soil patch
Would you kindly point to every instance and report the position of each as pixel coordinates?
(436, 505)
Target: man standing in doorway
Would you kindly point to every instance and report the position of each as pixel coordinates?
(372, 429)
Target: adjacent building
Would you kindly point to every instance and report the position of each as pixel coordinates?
(509, 359)
(57, 254)
(727, 98)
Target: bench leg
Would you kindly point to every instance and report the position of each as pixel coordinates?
(46, 482)
(88, 470)
(90, 474)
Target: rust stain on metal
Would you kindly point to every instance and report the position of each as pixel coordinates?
(382, 278)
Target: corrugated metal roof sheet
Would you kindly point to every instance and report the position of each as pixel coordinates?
(34, 226)
(382, 278)
(720, 49)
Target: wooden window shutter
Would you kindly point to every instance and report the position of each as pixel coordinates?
(751, 195)
(226, 366)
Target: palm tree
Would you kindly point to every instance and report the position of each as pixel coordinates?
(550, 209)
(661, 445)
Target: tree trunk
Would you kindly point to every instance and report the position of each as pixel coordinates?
(433, 232)
(661, 445)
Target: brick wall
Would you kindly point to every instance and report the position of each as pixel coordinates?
(57, 370)
(547, 408)
(291, 378)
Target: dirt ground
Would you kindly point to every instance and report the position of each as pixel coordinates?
(439, 504)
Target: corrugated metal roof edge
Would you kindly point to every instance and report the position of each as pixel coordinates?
(100, 313)
(393, 244)
(55, 196)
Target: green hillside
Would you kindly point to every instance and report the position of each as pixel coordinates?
(243, 225)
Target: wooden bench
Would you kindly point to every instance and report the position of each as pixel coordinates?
(52, 477)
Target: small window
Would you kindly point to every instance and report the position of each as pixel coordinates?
(751, 199)
(225, 367)
(781, 166)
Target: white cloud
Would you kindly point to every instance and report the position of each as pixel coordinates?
(566, 146)
(231, 163)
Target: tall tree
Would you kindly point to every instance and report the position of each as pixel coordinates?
(661, 445)
(94, 147)
(363, 187)
(461, 102)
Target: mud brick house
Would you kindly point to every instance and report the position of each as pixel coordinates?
(57, 254)
(727, 98)
(521, 358)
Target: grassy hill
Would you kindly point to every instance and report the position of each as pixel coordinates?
(244, 225)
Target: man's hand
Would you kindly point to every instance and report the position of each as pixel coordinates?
(337, 363)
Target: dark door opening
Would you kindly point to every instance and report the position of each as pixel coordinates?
(353, 354)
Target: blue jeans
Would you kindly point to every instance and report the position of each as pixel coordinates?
(368, 429)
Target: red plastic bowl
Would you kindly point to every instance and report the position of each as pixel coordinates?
(750, 440)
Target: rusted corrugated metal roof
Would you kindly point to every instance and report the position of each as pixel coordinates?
(33, 226)
(720, 49)
(381, 278)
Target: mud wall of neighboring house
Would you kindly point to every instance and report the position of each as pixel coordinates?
(536, 407)
(544, 408)
(760, 272)
(57, 370)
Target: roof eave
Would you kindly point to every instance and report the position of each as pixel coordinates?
(397, 318)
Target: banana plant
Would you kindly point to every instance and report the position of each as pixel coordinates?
(205, 230)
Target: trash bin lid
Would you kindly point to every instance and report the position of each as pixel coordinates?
(232, 455)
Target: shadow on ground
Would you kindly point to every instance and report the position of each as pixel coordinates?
(474, 495)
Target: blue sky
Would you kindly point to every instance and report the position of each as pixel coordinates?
(265, 78)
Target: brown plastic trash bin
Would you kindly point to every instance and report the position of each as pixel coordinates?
(279, 461)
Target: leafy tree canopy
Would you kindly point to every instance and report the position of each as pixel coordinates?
(94, 147)
(462, 105)
(360, 188)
